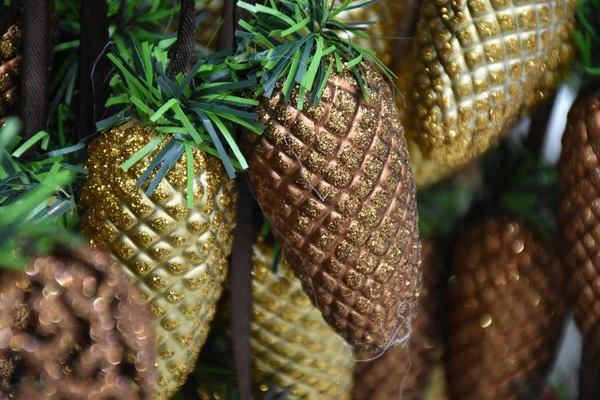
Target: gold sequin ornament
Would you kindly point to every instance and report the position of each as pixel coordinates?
(10, 45)
(479, 65)
(506, 312)
(292, 347)
(176, 256)
(579, 212)
(406, 369)
(334, 180)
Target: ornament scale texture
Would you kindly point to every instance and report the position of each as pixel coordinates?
(10, 44)
(176, 256)
(506, 313)
(334, 180)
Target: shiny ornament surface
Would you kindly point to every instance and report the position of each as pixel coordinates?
(292, 347)
(479, 65)
(72, 327)
(580, 211)
(10, 44)
(334, 180)
(405, 370)
(176, 256)
(506, 312)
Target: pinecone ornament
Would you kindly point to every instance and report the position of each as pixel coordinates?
(176, 256)
(73, 328)
(292, 347)
(10, 45)
(506, 312)
(405, 370)
(334, 180)
(479, 64)
(579, 207)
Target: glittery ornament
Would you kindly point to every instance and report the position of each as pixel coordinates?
(479, 65)
(175, 255)
(334, 180)
(405, 370)
(209, 27)
(10, 44)
(385, 18)
(579, 211)
(72, 327)
(506, 313)
(292, 347)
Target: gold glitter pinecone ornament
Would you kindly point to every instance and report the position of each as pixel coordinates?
(10, 44)
(72, 327)
(405, 370)
(580, 211)
(479, 63)
(506, 312)
(175, 255)
(292, 347)
(334, 180)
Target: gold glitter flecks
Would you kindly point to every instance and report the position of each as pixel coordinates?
(141, 268)
(157, 282)
(192, 311)
(166, 354)
(162, 381)
(161, 224)
(161, 253)
(158, 310)
(186, 340)
(175, 296)
(178, 240)
(170, 324)
(178, 211)
(124, 251)
(176, 268)
(198, 227)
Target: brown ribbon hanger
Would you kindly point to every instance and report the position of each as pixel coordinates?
(247, 229)
(94, 67)
(36, 65)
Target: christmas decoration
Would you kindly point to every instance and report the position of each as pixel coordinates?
(578, 180)
(332, 173)
(405, 370)
(292, 347)
(72, 327)
(10, 43)
(159, 200)
(478, 64)
(506, 312)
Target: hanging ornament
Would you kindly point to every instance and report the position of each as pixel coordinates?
(332, 174)
(10, 45)
(578, 168)
(479, 64)
(72, 327)
(292, 347)
(404, 371)
(506, 312)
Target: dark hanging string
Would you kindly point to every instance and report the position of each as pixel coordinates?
(36, 63)
(94, 67)
(182, 56)
(244, 236)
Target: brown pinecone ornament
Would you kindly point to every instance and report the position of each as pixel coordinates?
(176, 256)
(405, 370)
(479, 65)
(334, 180)
(72, 327)
(292, 347)
(506, 312)
(579, 211)
(10, 44)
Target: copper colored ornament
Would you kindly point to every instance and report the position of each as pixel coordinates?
(175, 255)
(405, 370)
(292, 347)
(334, 180)
(506, 312)
(71, 327)
(10, 45)
(580, 212)
(479, 64)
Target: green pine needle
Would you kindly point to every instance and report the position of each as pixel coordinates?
(201, 109)
(36, 204)
(587, 37)
(301, 42)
